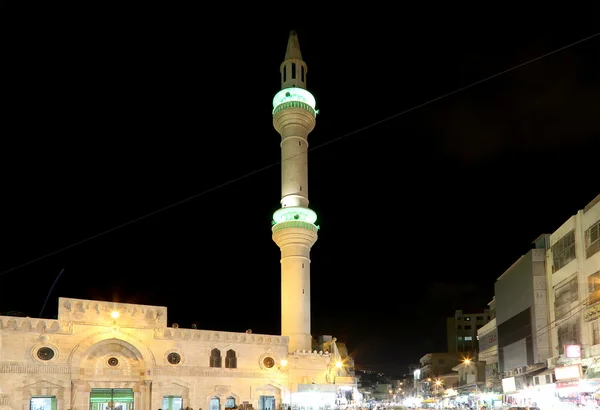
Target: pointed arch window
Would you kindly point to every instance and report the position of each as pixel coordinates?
(215, 403)
(302, 73)
(230, 402)
(230, 359)
(293, 71)
(215, 358)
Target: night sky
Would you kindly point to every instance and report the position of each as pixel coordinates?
(139, 159)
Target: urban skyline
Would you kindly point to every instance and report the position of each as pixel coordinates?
(150, 173)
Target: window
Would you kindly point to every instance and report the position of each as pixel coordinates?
(468, 327)
(172, 403)
(596, 332)
(174, 358)
(293, 71)
(594, 288)
(479, 318)
(568, 333)
(565, 297)
(592, 239)
(215, 403)
(467, 318)
(45, 353)
(563, 251)
(268, 362)
(215, 358)
(43, 403)
(594, 282)
(230, 403)
(230, 360)
(468, 338)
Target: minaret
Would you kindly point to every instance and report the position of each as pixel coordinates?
(294, 229)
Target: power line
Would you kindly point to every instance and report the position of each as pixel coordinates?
(458, 90)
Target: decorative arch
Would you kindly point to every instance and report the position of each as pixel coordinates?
(39, 386)
(136, 346)
(271, 386)
(181, 383)
(175, 387)
(222, 392)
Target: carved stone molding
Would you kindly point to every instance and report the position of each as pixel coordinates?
(26, 324)
(32, 368)
(222, 337)
(209, 372)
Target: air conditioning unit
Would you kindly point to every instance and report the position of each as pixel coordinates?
(552, 361)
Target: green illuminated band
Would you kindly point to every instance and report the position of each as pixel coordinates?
(295, 213)
(294, 94)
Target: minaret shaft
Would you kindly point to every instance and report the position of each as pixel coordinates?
(294, 229)
(295, 295)
(294, 170)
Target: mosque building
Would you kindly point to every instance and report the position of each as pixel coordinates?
(103, 355)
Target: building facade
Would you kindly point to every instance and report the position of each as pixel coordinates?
(487, 337)
(103, 355)
(462, 331)
(571, 374)
(101, 352)
(522, 314)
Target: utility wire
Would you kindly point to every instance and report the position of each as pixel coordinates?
(50, 291)
(311, 149)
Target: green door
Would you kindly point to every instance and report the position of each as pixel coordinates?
(111, 399)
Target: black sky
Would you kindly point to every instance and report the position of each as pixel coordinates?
(111, 114)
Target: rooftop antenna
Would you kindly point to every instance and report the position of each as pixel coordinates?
(50, 291)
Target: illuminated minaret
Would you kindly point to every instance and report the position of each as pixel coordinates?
(294, 229)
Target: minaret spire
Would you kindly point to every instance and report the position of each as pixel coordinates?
(293, 68)
(294, 229)
(293, 47)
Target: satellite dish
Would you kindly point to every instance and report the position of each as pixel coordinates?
(249, 331)
(175, 325)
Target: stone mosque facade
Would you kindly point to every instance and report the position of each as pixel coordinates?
(102, 355)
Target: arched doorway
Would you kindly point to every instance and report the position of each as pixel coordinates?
(112, 377)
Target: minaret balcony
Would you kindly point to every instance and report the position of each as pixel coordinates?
(291, 234)
(294, 224)
(295, 104)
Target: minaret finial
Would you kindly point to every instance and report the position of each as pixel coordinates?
(293, 47)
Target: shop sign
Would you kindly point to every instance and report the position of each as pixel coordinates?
(567, 372)
(490, 339)
(572, 351)
(591, 313)
(564, 385)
